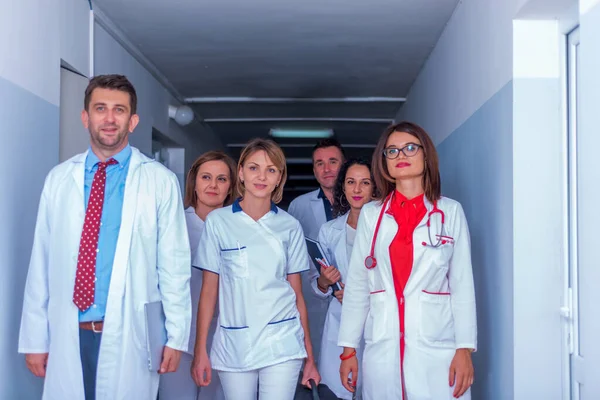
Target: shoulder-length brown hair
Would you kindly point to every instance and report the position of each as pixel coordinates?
(277, 157)
(431, 175)
(191, 198)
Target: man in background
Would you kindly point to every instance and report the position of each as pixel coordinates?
(313, 209)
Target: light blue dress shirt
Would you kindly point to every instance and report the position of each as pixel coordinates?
(110, 223)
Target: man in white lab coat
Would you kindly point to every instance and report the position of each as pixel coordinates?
(110, 237)
(313, 209)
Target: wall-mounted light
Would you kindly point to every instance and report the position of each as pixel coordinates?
(301, 133)
(183, 115)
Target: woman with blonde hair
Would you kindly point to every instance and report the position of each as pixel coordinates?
(209, 185)
(253, 254)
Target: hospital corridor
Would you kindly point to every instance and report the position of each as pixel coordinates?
(501, 96)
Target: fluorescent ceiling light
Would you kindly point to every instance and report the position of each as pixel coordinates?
(301, 133)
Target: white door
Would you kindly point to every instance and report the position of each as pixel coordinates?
(571, 310)
(74, 138)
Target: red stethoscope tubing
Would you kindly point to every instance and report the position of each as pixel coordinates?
(371, 261)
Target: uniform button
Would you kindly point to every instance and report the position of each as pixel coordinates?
(95, 278)
(97, 250)
(94, 306)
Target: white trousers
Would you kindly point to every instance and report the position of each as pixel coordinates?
(179, 385)
(276, 382)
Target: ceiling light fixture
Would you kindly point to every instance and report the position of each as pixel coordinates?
(301, 133)
(183, 115)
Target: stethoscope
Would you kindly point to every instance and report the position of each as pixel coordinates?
(371, 261)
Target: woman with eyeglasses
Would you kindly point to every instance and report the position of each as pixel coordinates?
(353, 189)
(409, 288)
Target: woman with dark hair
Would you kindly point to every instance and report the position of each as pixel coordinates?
(409, 288)
(354, 188)
(209, 185)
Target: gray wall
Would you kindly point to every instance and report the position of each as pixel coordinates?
(153, 101)
(476, 167)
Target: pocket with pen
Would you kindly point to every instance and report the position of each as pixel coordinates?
(235, 262)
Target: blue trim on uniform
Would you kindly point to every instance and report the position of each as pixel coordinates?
(299, 272)
(204, 269)
(283, 320)
(326, 205)
(235, 207)
(234, 327)
(234, 249)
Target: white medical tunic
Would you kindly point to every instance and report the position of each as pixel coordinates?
(259, 324)
(195, 226)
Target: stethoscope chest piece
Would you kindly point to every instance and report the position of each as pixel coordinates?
(370, 262)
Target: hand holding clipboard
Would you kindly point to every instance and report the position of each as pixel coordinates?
(323, 264)
(317, 256)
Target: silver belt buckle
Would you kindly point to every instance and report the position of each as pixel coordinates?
(94, 328)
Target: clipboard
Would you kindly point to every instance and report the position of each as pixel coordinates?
(156, 334)
(315, 251)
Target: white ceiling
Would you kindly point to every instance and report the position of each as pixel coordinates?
(284, 48)
(313, 49)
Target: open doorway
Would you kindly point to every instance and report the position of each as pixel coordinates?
(73, 137)
(170, 154)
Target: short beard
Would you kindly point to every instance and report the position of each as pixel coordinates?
(100, 141)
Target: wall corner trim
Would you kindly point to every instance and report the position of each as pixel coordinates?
(101, 18)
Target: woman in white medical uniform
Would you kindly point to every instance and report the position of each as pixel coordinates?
(210, 184)
(252, 256)
(354, 188)
(410, 283)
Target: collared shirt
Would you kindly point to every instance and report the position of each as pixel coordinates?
(110, 224)
(326, 205)
(236, 207)
(259, 323)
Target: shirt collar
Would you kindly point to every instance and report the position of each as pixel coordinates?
(321, 194)
(235, 207)
(121, 157)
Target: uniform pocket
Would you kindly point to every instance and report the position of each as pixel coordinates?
(443, 254)
(286, 336)
(236, 343)
(375, 327)
(235, 262)
(436, 322)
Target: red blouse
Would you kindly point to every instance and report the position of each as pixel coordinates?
(408, 214)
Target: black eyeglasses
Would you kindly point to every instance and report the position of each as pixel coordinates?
(410, 150)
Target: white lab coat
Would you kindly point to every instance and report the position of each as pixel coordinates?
(332, 238)
(308, 209)
(436, 324)
(259, 323)
(152, 251)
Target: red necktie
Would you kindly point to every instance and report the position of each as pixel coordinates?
(83, 295)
